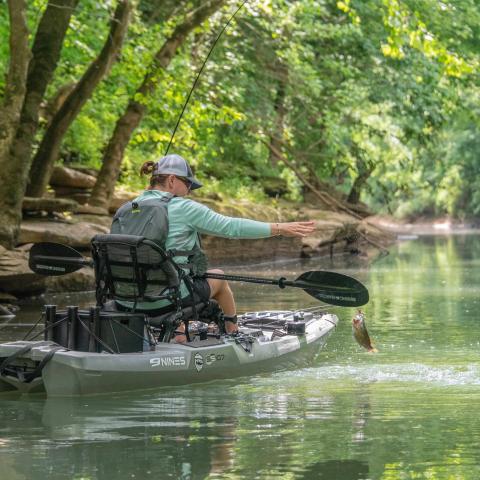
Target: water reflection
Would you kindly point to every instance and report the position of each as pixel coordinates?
(407, 412)
(341, 469)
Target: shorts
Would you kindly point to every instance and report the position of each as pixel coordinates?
(201, 292)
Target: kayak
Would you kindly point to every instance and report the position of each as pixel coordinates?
(267, 341)
(112, 348)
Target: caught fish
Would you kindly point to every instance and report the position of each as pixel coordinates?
(360, 333)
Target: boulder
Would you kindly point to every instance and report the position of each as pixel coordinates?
(32, 204)
(120, 197)
(15, 275)
(80, 281)
(88, 170)
(7, 298)
(73, 234)
(68, 177)
(17, 278)
(91, 210)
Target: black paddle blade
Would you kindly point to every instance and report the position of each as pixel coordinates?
(333, 288)
(54, 259)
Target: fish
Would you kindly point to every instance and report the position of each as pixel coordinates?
(360, 333)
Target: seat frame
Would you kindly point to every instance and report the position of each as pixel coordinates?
(166, 323)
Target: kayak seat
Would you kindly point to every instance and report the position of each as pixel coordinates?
(131, 268)
(134, 269)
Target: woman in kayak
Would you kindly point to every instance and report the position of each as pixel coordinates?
(171, 180)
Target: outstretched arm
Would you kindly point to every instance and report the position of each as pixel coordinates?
(292, 229)
(205, 220)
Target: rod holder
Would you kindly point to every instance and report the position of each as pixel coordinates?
(50, 313)
(94, 328)
(72, 326)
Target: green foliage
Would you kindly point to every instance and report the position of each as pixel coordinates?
(387, 87)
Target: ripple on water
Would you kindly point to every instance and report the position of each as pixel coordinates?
(446, 375)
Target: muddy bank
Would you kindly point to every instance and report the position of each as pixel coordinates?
(334, 233)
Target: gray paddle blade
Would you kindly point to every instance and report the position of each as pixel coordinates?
(333, 288)
(54, 259)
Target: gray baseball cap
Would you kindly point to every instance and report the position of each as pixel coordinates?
(176, 165)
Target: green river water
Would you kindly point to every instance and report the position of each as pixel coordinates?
(406, 412)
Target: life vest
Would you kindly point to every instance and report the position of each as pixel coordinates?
(149, 219)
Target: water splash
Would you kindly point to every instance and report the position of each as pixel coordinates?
(446, 375)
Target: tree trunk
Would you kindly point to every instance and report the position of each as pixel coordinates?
(364, 172)
(49, 148)
(103, 191)
(15, 163)
(15, 85)
(281, 71)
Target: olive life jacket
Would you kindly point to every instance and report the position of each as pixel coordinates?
(149, 219)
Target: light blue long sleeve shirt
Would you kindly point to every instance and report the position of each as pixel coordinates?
(187, 218)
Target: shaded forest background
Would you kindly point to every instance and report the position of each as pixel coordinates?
(356, 102)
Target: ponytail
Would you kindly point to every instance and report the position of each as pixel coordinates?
(147, 168)
(155, 180)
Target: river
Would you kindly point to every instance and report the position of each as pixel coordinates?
(406, 412)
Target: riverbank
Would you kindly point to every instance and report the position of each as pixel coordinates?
(335, 233)
(430, 226)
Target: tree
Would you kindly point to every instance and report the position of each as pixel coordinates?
(15, 86)
(16, 160)
(48, 150)
(137, 106)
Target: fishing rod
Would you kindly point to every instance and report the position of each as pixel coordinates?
(200, 72)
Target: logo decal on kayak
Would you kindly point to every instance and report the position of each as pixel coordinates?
(168, 361)
(214, 357)
(198, 360)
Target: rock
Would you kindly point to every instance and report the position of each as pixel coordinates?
(15, 275)
(87, 170)
(80, 198)
(73, 234)
(68, 177)
(120, 197)
(17, 278)
(67, 191)
(32, 204)
(101, 220)
(79, 281)
(80, 195)
(7, 298)
(223, 251)
(89, 209)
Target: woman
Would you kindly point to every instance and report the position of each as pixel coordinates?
(171, 180)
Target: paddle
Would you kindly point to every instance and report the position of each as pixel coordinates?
(55, 259)
(329, 287)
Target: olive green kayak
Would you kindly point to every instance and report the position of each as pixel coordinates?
(267, 341)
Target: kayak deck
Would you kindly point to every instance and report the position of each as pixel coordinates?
(267, 341)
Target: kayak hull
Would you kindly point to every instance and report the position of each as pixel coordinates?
(253, 351)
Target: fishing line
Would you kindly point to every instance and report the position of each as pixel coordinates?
(200, 72)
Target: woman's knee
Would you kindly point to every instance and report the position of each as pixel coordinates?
(216, 270)
(216, 285)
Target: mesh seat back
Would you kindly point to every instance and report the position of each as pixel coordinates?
(133, 268)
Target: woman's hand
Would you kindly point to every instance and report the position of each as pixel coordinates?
(292, 229)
